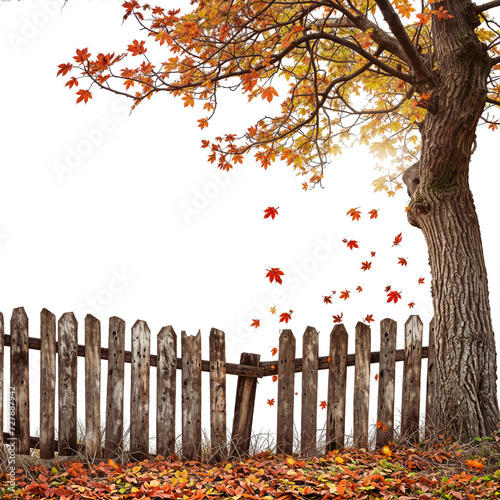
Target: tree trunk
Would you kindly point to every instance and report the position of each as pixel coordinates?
(442, 207)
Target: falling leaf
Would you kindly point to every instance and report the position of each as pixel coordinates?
(397, 240)
(372, 254)
(255, 323)
(421, 281)
(393, 296)
(322, 405)
(373, 214)
(273, 367)
(407, 209)
(359, 289)
(411, 305)
(274, 350)
(272, 310)
(344, 294)
(366, 265)
(327, 299)
(402, 261)
(369, 318)
(350, 244)
(274, 274)
(376, 377)
(275, 377)
(354, 213)
(381, 425)
(387, 288)
(270, 402)
(271, 212)
(286, 317)
(329, 359)
(338, 318)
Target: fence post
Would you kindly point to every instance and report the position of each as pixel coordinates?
(286, 381)
(115, 388)
(139, 399)
(67, 354)
(19, 378)
(191, 395)
(361, 385)
(410, 406)
(386, 381)
(337, 373)
(165, 391)
(2, 332)
(243, 408)
(218, 441)
(310, 353)
(93, 386)
(47, 383)
(431, 382)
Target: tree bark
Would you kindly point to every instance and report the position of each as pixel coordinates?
(443, 208)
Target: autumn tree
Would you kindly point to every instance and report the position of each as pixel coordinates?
(410, 79)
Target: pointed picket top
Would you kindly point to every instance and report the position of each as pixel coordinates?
(19, 316)
(47, 314)
(167, 332)
(339, 330)
(141, 327)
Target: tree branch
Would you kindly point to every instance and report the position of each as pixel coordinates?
(486, 6)
(397, 29)
(492, 101)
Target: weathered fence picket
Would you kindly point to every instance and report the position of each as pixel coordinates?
(386, 382)
(410, 406)
(2, 332)
(362, 385)
(191, 395)
(47, 383)
(337, 376)
(115, 388)
(431, 382)
(65, 352)
(67, 378)
(286, 385)
(139, 395)
(165, 391)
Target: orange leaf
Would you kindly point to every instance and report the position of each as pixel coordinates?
(269, 93)
(275, 377)
(376, 378)
(270, 402)
(338, 318)
(256, 323)
(421, 281)
(344, 294)
(411, 305)
(354, 213)
(64, 68)
(274, 350)
(137, 48)
(373, 214)
(85, 95)
(369, 319)
(202, 123)
(81, 55)
(286, 317)
(402, 261)
(350, 244)
(359, 289)
(327, 299)
(329, 359)
(322, 405)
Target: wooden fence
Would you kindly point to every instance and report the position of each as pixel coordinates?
(249, 370)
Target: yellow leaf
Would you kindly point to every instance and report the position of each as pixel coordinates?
(136, 469)
(290, 461)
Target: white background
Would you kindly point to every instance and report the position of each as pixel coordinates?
(89, 193)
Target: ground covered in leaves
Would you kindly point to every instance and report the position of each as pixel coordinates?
(402, 473)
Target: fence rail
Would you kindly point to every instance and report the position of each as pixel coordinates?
(66, 351)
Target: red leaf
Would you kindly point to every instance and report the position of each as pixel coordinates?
(81, 55)
(271, 212)
(373, 214)
(366, 265)
(411, 305)
(359, 289)
(402, 261)
(274, 274)
(387, 288)
(256, 323)
(350, 244)
(393, 296)
(137, 48)
(322, 405)
(344, 294)
(270, 402)
(369, 318)
(421, 281)
(338, 318)
(274, 350)
(397, 240)
(275, 377)
(327, 299)
(376, 377)
(372, 254)
(286, 317)
(64, 68)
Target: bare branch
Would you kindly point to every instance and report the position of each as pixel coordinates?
(492, 101)
(338, 22)
(486, 6)
(397, 29)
